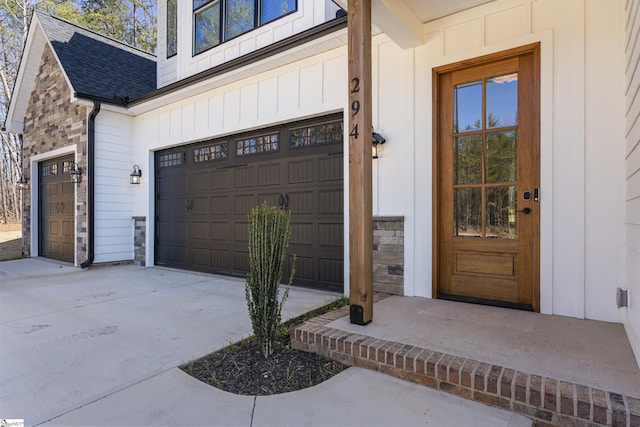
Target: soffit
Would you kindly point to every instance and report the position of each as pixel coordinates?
(403, 20)
(430, 10)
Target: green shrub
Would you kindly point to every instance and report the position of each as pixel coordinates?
(269, 231)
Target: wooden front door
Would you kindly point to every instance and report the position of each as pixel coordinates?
(57, 198)
(486, 200)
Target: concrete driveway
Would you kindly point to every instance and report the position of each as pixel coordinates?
(69, 336)
(101, 347)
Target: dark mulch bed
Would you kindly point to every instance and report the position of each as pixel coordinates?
(242, 369)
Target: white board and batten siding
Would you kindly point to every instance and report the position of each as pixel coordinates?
(581, 213)
(582, 138)
(113, 192)
(310, 13)
(632, 174)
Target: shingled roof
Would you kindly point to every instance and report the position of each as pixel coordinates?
(99, 66)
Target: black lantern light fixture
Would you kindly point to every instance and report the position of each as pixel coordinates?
(22, 183)
(75, 172)
(376, 141)
(135, 175)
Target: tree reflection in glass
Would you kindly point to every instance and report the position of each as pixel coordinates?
(467, 212)
(501, 212)
(467, 159)
(485, 158)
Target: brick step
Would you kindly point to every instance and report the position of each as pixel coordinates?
(547, 401)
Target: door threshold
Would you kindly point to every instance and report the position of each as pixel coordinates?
(493, 303)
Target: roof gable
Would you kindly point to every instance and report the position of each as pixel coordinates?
(95, 66)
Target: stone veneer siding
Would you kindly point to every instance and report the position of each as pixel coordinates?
(388, 254)
(139, 240)
(53, 122)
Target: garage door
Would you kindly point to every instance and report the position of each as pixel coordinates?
(56, 205)
(206, 190)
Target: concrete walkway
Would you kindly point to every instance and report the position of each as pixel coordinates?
(356, 397)
(102, 347)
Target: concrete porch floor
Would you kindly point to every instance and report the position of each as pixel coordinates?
(554, 369)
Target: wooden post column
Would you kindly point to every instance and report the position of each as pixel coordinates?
(360, 180)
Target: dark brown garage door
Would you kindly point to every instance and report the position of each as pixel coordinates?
(56, 202)
(206, 190)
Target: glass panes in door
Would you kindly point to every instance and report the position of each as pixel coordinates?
(485, 155)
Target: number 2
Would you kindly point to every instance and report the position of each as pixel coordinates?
(355, 85)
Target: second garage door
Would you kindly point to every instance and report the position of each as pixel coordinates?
(56, 209)
(206, 190)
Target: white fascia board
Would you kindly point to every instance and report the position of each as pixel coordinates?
(25, 79)
(104, 106)
(14, 126)
(396, 20)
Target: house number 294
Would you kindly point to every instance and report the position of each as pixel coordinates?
(355, 106)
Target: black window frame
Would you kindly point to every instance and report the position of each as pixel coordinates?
(222, 18)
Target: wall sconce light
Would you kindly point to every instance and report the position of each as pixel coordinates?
(375, 141)
(135, 175)
(23, 183)
(76, 173)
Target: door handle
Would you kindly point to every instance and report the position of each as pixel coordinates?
(189, 205)
(61, 207)
(283, 201)
(526, 211)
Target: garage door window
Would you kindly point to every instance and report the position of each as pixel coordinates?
(325, 133)
(173, 159)
(211, 152)
(49, 170)
(257, 145)
(67, 167)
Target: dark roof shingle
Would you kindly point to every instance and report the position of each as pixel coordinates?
(97, 65)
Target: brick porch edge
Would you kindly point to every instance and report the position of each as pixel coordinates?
(547, 401)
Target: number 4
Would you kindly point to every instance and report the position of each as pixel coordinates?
(354, 132)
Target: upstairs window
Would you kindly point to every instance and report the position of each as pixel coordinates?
(274, 9)
(216, 21)
(172, 28)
